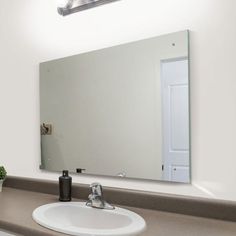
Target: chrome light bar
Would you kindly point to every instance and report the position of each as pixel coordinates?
(72, 6)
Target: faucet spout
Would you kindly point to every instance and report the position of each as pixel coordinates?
(96, 199)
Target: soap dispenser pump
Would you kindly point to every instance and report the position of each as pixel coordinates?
(65, 182)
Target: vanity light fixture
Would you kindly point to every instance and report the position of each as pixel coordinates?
(66, 7)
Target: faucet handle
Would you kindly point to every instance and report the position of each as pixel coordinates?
(96, 189)
(96, 199)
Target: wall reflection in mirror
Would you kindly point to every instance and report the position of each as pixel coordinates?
(120, 111)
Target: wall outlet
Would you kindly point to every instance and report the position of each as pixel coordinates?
(46, 129)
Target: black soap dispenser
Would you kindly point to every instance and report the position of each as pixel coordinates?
(65, 182)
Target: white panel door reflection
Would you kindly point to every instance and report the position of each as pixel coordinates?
(175, 91)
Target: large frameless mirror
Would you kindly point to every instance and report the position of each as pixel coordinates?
(120, 111)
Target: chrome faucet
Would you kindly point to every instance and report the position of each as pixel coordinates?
(96, 198)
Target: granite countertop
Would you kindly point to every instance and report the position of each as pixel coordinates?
(17, 207)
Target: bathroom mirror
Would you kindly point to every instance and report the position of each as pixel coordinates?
(120, 111)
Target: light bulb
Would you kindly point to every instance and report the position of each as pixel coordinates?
(64, 3)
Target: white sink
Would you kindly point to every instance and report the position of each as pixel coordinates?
(75, 218)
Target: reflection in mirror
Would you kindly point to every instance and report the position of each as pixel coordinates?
(121, 111)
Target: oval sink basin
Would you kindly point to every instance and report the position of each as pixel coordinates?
(75, 218)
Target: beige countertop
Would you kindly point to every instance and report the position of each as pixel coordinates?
(16, 207)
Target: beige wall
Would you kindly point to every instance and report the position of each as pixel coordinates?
(32, 31)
